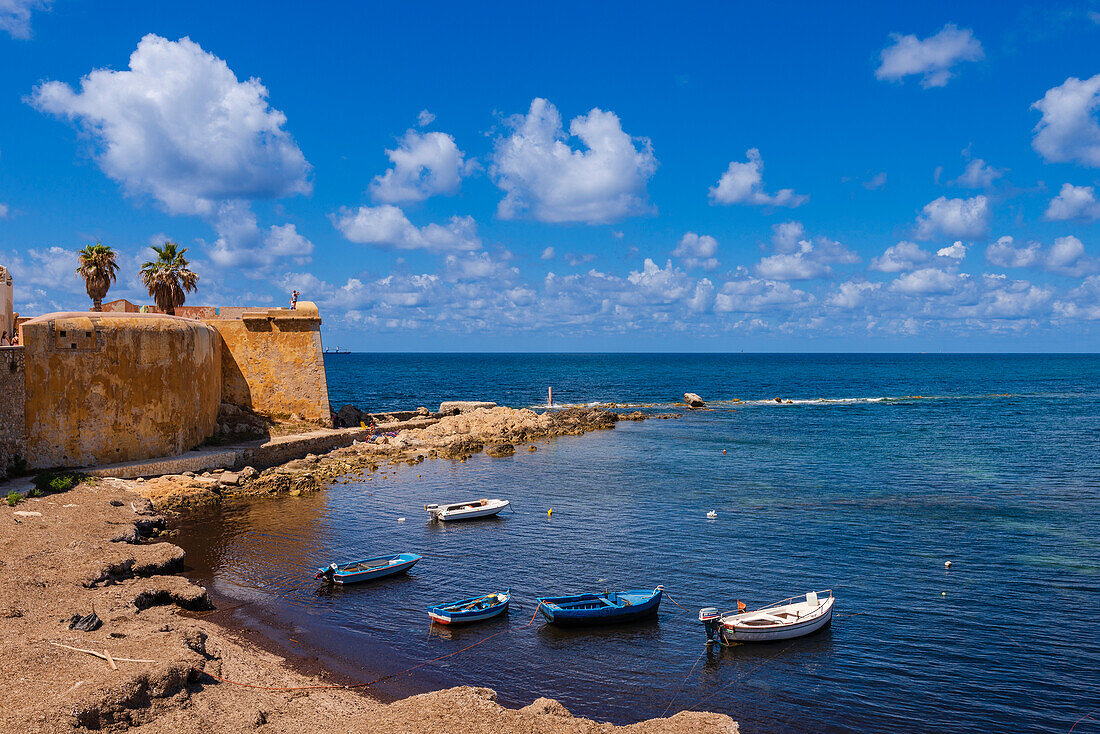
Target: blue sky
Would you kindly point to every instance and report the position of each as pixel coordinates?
(570, 177)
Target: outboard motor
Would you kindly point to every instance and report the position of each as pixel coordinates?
(711, 619)
(326, 573)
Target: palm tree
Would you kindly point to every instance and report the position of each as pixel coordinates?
(97, 268)
(168, 277)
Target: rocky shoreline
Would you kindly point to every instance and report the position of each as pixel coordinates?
(496, 431)
(149, 666)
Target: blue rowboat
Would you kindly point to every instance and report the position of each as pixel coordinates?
(607, 608)
(474, 609)
(367, 569)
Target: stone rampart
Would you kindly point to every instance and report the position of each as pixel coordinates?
(110, 387)
(272, 361)
(13, 398)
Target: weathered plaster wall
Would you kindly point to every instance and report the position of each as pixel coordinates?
(7, 315)
(272, 361)
(13, 398)
(117, 387)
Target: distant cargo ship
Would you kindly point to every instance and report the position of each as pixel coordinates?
(337, 350)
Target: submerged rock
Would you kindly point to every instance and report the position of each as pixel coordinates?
(500, 450)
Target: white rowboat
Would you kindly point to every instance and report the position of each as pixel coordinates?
(794, 617)
(466, 510)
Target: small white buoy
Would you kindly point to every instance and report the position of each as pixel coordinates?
(947, 564)
(400, 519)
(712, 514)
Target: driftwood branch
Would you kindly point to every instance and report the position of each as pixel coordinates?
(103, 655)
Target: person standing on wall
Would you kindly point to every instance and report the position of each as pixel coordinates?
(294, 301)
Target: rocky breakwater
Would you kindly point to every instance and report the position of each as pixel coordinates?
(496, 430)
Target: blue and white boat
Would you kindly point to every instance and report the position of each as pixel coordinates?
(474, 609)
(367, 569)
(609, 607)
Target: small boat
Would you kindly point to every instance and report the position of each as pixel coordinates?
(793, 617)
(474, 609)
(368, 569)
(466, 510)
(610, 607)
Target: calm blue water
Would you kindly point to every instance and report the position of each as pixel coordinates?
(995, 468)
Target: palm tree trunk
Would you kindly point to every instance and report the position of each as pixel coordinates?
(97, 304)
(170, 311)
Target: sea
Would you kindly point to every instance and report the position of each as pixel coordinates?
(859, 474)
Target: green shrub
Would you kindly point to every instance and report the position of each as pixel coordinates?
(13, 498)
(57, 481)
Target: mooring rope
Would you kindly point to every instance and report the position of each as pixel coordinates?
(739, 678)
(334, 686)
(685, 680)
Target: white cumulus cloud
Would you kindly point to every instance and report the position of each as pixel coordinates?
(1066, 256)
(955, 251)
(931, 57)
(900, 257)
(387, 225)
(1073, 202)
(978, 175)
(743, 183)
(851, 294)
(1068, 130)
(423, 165)
(697, 251)
(961, 218)
(180, 127)
(544, 177)
(15, 16)
(928, 281)
(799, 258)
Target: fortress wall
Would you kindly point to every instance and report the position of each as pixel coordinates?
(272, 361)
(13, 399)
(109, 387)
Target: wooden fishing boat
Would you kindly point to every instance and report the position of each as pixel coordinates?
(367, 569)
(609, 607)
(474, 609)
(793, 617)
(466, 510)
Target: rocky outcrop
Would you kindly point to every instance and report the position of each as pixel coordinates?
(348, 417)
(693, 400)
(452, 407)
(500, 450)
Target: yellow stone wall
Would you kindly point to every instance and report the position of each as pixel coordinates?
(273, 363)
(104, 388)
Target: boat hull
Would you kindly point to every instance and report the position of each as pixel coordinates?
(732, 632)
(470, 514)
(403, 563)
(566, 617)
(440, 615)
